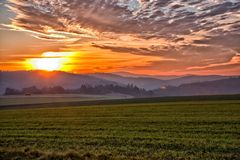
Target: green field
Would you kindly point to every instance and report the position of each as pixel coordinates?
(163, 130)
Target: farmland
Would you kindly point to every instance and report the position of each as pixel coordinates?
(157, 130)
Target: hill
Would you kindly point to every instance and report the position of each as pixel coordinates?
(151, 83)
(141, 82)
(22, 79)
(218, 87)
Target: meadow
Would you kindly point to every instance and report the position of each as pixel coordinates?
(158, 130)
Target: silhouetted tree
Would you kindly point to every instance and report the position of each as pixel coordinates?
(31, 90)
(85, 89)
(10, 91)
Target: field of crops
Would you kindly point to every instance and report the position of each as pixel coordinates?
(167, 130)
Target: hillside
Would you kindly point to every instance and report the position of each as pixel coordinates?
(151, 83)
(218, 87)
(21, 79)
(141, 82)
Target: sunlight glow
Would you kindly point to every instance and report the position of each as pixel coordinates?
(50, 61)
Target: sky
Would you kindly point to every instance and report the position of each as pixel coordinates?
(156, 37)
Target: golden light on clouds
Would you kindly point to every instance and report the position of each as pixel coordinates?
(130, 36)
(50, 61)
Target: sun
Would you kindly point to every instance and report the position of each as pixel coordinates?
(48, 64)
(50, 61)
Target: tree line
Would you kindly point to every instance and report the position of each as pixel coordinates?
(84, 89)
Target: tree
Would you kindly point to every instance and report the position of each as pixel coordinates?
(10, 91)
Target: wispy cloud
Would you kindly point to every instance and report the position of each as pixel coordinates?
(233, 62)
(187, 31)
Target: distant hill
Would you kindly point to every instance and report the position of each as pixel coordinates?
(21, 79)
(195, 78)
(141, 82)
(218, 87)
(162, 77)
(151, 83)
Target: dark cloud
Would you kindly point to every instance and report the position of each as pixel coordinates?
(152, 50)
(159, 18)
(226, 41)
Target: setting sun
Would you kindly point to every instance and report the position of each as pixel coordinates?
(49, 64)
(50, 61)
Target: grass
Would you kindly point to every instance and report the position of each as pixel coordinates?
(167, 130)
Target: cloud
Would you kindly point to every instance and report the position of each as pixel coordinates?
(196, 32)
(233, 62)
(166, 52)
(146, 18)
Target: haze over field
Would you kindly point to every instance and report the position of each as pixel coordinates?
(43, 82)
